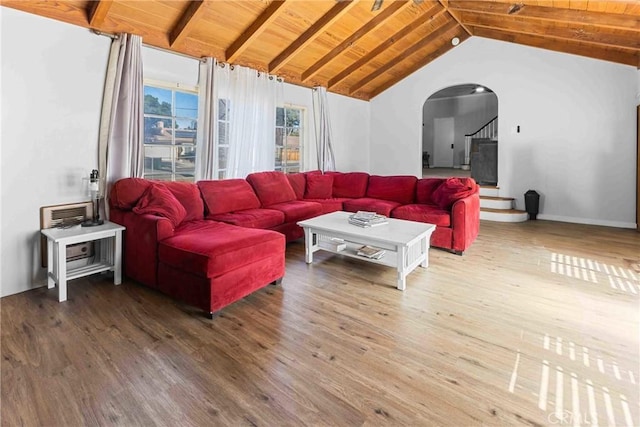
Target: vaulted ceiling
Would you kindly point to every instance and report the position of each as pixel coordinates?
(345, 45)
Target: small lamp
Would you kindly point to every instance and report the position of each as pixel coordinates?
(94, 189)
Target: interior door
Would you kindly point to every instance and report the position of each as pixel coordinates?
(443, 134)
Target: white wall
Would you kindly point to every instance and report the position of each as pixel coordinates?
(577, 117)
(51, 96)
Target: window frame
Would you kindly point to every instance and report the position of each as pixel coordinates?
(297, 164)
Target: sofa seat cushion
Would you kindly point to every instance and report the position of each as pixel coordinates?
(400, 188)
(271, 187)
(227, 195)
(210, 250)
(430, 214)
(330, 205)
(381, 207)
(252, 218)
(352, 185)
(298, 210)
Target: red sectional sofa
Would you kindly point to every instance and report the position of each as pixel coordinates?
(214, 242)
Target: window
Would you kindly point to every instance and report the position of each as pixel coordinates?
(224, 115)
(170, 128)
(289, 139)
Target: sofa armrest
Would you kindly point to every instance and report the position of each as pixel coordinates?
(143, 232)
(465, 221)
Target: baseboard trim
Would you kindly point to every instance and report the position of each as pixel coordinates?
(587, 221)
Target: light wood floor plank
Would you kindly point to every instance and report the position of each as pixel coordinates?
(537, 324)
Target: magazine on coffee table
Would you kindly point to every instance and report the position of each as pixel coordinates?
(371, 252)
(367, 219)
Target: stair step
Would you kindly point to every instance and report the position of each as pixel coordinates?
(489, 190)
(493, 202)
(503, 215)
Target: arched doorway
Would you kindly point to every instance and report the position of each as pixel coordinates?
(452, 118)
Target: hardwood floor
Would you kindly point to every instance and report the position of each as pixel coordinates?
(537, 324)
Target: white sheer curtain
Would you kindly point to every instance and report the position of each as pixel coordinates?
(252, 98)
(326, 160)
(120, 146)
(207, 133)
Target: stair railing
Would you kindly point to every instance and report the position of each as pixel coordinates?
(488, 130)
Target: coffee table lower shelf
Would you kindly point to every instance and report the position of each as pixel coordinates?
(405, 249)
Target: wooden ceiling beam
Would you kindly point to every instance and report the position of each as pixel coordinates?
(186, 22)
(431, 13)
(97, 12)
(601, 19)
(445, 4)
(335, 13)
(395, 8)
(431, 38)
(620, 56)
(568, 31)
(444, 48)
(254, 31)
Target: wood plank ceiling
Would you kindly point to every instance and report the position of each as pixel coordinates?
(346, 46)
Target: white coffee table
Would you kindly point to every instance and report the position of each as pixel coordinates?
(406, 242)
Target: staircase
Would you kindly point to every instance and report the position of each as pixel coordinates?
(499, 209)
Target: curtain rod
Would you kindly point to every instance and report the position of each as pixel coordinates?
(220, 64)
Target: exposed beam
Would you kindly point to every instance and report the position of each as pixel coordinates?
(621, 56)
(186, 22)
(434, 11)
(462, 35)
(612, 20)
(255, 29)
(377, 21)
(408, 52)
(568, 31)
(445, 4)
(98, 11)
(335, 13)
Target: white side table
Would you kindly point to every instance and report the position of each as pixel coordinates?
(108, 253)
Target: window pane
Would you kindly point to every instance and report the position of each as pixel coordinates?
(279, 116)
(279, 136)
(186, 105)
(185, 131)
(222, 174)
(222, 133)
(157, 131)
(157, 160)
(185, 163)
(293, 117)
(223, 109)
(157, 101)
(222, 157)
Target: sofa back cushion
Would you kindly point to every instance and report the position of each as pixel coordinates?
(398, 188)
(453, 189)
(227, 195)
(349, 184)
(319, 187)
(425, 188)
(126, 192)
(298, 182)
(188, 194)
(271, 187)
(159, 200)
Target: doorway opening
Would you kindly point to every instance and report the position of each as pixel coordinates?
(460, 133)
